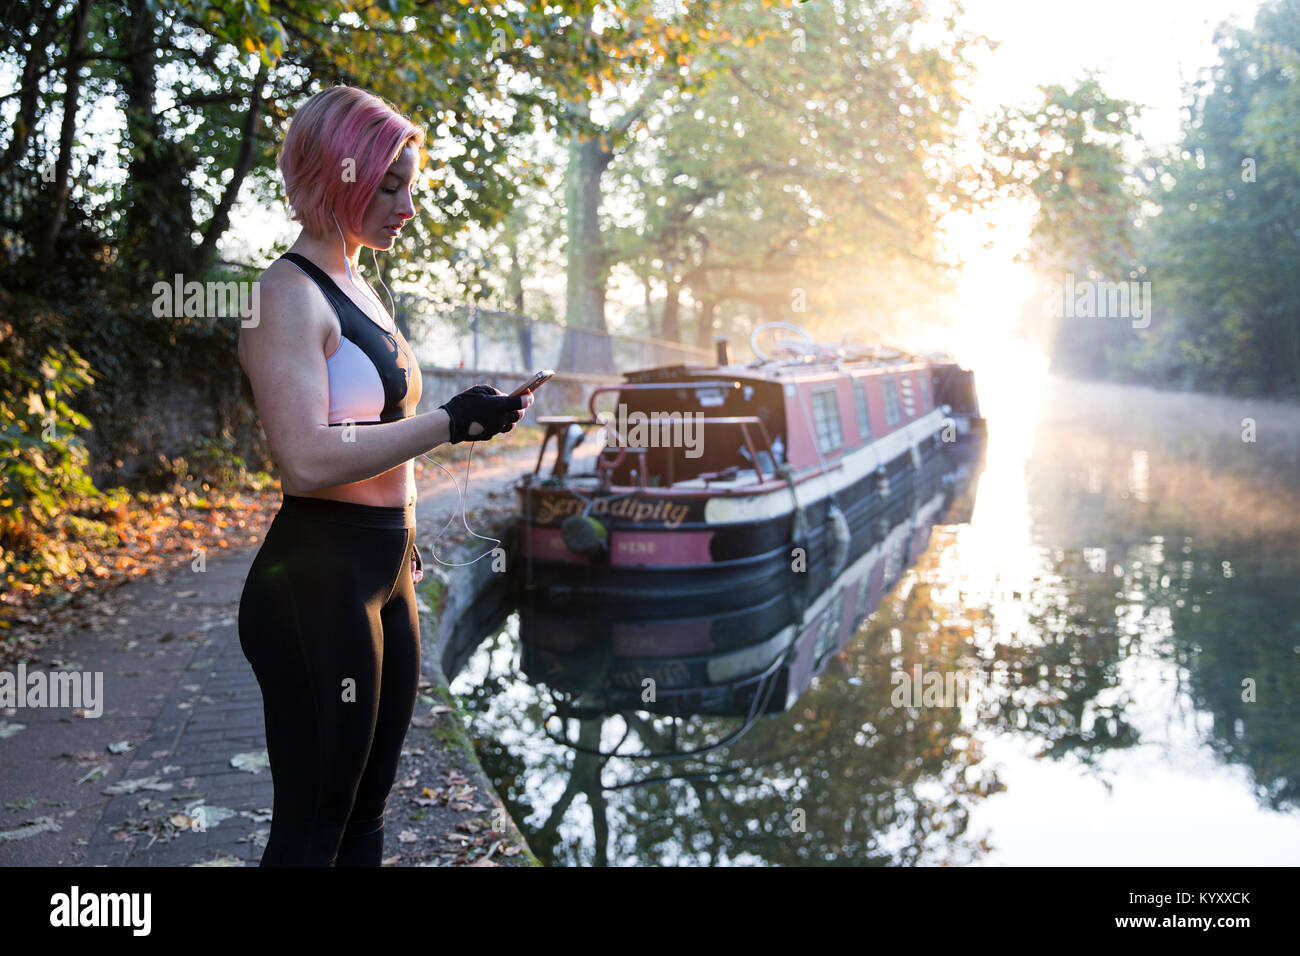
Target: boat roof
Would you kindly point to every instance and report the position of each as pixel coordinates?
(780, 369)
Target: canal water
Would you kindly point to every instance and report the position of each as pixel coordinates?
(1084, 650)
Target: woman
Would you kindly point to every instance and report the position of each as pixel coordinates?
(327, 618)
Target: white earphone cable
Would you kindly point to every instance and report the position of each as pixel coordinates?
(496, 542)
(459, 491)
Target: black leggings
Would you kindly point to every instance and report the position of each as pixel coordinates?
(328, 621)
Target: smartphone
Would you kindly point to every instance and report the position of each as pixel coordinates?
(545, 375)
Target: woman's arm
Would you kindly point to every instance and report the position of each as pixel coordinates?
(284, 357)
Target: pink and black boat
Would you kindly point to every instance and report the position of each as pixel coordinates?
(715, 481)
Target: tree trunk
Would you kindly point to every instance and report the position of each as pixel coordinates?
(30, 86)
(515, 294)
(220, 221)
(704, 336)
(586, 342)
(669, 328)
(158, 223)
(71, 96)
(648, 288)
(515, 278)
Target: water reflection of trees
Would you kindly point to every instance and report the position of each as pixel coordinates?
(1158, 544)
(1235, 617)
(1203, 529)
(875, 784)
(1059, 680)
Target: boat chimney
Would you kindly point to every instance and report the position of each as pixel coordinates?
(723, 346)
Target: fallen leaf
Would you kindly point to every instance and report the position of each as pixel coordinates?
(92, 773)
(31, 829)
(139, 783)
(253, 762)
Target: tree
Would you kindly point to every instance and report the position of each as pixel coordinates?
(815, 162)
(1228, 235)
(615, 63)
(1068, 154)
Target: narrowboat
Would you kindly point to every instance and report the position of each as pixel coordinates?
(713, 482)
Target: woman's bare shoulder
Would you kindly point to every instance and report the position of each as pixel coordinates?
(282, 277)
(292, 309)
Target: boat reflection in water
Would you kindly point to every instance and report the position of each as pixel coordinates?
(760, 659)
(635, 706)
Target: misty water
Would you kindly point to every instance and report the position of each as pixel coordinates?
(1117, 591)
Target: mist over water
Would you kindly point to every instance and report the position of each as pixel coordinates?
(1126, 584)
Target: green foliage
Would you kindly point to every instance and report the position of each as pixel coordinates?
(206, 463)
(44, 474)
(1225, 244)
(44, 457)
(1214, 227)
(810, 152)
(1068, 154)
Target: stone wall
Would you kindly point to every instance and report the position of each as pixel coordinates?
(566, 394)
(166, 413)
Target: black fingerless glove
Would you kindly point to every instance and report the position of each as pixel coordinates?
(482, 404)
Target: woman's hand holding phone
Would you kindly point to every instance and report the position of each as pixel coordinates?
(539, 379)
(481, 411)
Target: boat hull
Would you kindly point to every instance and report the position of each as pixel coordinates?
(652, 564)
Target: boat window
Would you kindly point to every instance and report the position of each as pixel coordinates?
(864, 420)
(925, 390)
(829, 635)
(826, 418)
(710, 397)
(909, 399)
(891, 400)
(864, 600)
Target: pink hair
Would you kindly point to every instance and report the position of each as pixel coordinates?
(339, 146)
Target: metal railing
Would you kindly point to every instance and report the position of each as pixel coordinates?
(463, 336)
(557, 425)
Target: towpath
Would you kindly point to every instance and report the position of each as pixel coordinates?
(173, 773)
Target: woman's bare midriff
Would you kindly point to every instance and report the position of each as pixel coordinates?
(395, 488)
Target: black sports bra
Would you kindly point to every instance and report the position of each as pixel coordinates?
(370, 371)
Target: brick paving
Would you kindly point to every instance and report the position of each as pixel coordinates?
(180, 695)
